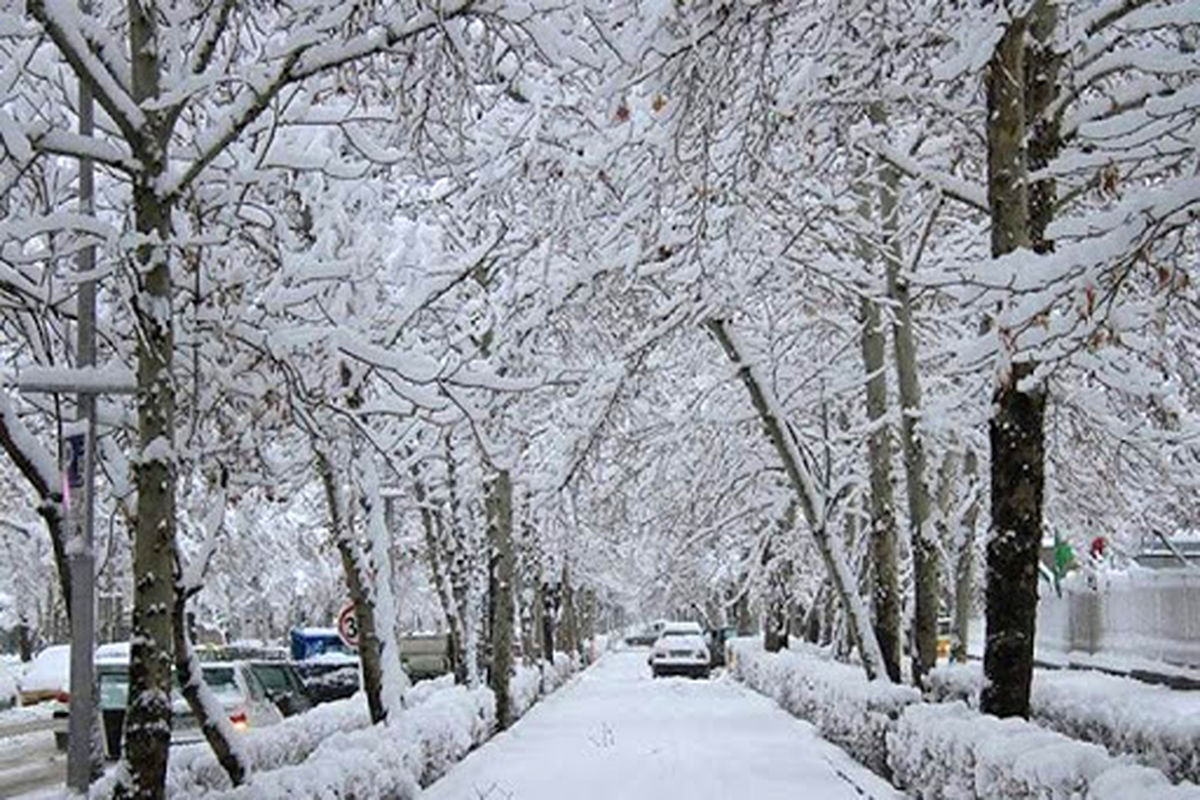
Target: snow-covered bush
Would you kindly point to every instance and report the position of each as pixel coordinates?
(845, 707)
(1126, 716)
(193, 768)
(949, 751)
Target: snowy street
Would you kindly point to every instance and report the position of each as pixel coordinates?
(617, 732)
(28, 757)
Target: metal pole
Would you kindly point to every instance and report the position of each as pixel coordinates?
(81, 511)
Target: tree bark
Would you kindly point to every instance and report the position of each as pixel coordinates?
(357, 585)
(499, 520)
(963, 567)
(568, 629)
(209, 715)
(778, 569)
(811, 502)
(924, 548)
(431, 528)
(885, 589)
(1015, 430)
(148, 716)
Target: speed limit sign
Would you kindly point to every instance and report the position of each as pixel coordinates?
(347, 626)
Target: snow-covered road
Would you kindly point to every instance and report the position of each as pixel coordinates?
(617, 733)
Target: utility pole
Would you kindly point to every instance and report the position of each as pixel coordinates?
(81, 510)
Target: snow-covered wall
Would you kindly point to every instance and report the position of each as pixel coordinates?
(947, 751)
(1140, 614)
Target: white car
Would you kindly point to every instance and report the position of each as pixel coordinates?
(680, 650)
(48, 676)
(241, 695)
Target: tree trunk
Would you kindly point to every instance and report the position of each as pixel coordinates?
(356, 584)
(965, 533)
(148, 716)
(778, 569)
(394, 681)
(1015, 430)
(499, 521)
(924, 548)
(568, 629)
(210, 716)
(811, 502)
(546, 595)
(885, 590)
(431, 528)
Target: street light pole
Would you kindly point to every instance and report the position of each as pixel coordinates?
(81, 508)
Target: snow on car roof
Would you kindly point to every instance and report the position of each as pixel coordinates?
(50, 670)
(682, 627)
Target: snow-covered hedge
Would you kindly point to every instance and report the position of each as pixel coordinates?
(391, 760)
(949, 751)
(837, 698)
(531, 683)
(1126, 716)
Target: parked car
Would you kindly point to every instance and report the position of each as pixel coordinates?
(47, 677)
(283, 685)
(309, 643)
(242, 697)
(425, 655)
(329, 677)
(646, 635)
(680, 650)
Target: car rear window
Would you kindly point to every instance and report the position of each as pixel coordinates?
(274, 678)
(222, 683)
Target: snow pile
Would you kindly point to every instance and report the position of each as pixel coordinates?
(837, 698)
(1156, 726)
(948, 750)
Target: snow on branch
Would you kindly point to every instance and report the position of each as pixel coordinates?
(35, 462)
(312, 52)
(951, 186)
(62, 23)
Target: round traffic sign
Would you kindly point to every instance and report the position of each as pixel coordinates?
(347, 626)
